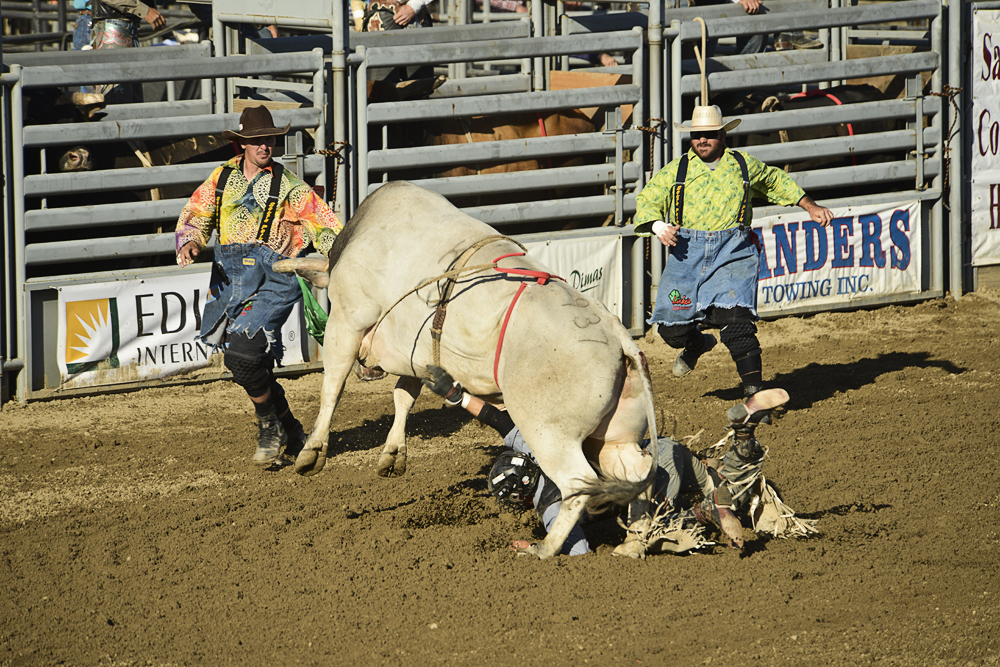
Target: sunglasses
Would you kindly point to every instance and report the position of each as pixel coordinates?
(714, 134)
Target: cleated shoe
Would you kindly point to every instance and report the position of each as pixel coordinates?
(687, 359)
(269, 444)
(746, 416)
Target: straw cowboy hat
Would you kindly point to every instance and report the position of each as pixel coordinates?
(706, 119)
(256, 122)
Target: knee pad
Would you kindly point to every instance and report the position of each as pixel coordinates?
(741, 339)
(250, 365)
(679, 336)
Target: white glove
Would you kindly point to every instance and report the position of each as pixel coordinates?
(659, 226)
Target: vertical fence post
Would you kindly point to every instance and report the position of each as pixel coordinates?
(956, 185)
(17, 146)
(319, 91)
(537, 30)
(937, 213)
(219, 51)
(361, 161)
(676, 113)
(338, 89)
(655, 32)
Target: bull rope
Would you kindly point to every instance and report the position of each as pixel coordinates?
(451, 275)
(339, 159)
(949, 92)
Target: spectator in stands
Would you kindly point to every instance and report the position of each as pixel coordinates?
(81, 34)
(115, 25)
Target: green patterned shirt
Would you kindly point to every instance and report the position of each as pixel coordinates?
(712, 198)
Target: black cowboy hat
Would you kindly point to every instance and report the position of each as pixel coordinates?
(256, 122)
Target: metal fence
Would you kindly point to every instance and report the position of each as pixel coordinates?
(327, 75)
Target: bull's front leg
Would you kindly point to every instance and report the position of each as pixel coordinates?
(392, 461)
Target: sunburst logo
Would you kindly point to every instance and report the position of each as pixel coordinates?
(91, 334)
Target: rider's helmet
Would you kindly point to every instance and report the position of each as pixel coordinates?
(513, 479)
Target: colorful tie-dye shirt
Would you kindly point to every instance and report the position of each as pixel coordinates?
(712, 198)
(302, 218)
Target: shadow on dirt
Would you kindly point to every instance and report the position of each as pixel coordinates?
(372, 433)
(817, 382)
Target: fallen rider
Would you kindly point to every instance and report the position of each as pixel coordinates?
(516, 480)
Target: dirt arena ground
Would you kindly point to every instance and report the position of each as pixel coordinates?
(134, 531)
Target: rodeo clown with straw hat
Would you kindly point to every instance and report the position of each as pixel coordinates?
(699, 206)
(262, 213)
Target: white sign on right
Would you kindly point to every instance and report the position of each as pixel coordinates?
(985, 138)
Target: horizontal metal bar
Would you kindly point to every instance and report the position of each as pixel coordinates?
(133, 178)
(492, 105)
(833, 115)
(860, 144)
(520, 181)
(121, 112)
(268, 19)
(105, 56)
(811, 20)
(434, 54)
(466, 33)
(553, 209)
(891, 35)
(169, 128)
(628, 20)
(718, 82)
(75, 217)
(272, 85)
(483, 85)
(498, 151)
(863, 200)
(191, 68)
(114, 247)
(756, 61)
(882, 172)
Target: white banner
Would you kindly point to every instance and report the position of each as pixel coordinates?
(985, 137)
(591, 265)
(125, 331)
(867, 251)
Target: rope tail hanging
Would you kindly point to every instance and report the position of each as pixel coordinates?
(700, 57)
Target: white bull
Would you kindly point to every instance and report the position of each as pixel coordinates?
(568, 372)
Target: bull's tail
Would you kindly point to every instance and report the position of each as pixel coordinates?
(315, 271)
(610, 491)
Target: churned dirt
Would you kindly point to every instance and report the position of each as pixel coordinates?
(135, 531)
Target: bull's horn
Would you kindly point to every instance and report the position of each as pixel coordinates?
(315, 271)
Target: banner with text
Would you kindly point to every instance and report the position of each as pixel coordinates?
(985, 212)
(125, 331)
(591, 265)
(867, 251)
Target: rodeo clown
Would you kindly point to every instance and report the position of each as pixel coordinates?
(263, 213)
(700, 207)
(515, 478)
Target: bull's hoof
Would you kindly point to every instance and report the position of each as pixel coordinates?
(525, 548)
(630, 548)
(309, 462)
(391, 465)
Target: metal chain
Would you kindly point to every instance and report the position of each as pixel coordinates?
(339, 159)
(949, 93)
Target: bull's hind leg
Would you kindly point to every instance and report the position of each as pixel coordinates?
(339, 355)
(565, 464)
(392, 461)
